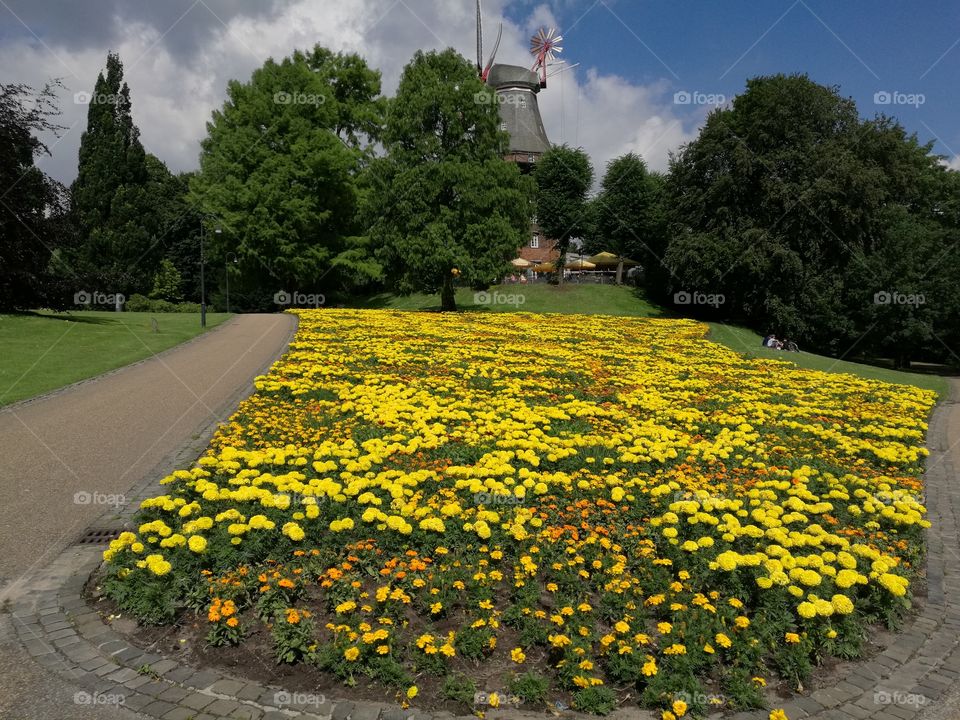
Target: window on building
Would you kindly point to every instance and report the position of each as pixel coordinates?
(531, 158)
(535, 241)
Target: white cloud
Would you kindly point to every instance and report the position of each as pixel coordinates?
(174, 94)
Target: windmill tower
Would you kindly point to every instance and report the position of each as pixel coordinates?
(516, 89)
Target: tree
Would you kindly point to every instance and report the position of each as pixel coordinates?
(563, 176)
(111, 206)
(797, 212)
(444, 203)
(167, 283)
(32, 204)
(626, 214)
(279, 170)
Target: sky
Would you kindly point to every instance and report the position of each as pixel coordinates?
(646, 72)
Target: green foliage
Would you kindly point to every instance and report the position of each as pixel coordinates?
(167, 283)
(530, 687)
(599, 700)
(33, 204)
(443, 203)
(279, 169)
(563, 176)
(111, 202)
(140, 303)
(293, 641)
(627, 216)
(801, 215)
(460, 688)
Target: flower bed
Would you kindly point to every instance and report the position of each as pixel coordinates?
(601, 506)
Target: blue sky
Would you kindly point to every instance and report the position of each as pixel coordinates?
(863, 47)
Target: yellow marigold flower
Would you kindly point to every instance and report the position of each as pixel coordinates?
(197, 543)
(792, 638)
(679, 708)
(722, 640)
(807, 610)
(351, 654)
(412, 692)
(517, 655)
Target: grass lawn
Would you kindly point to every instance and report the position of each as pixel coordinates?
(43, 351)
(569, 299)
(593, 299)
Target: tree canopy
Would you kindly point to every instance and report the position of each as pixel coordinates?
(564, 176)
(798, 213)
(32, 206)
(443, 202)
(279, 167)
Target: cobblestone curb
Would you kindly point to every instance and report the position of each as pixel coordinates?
(65, 635)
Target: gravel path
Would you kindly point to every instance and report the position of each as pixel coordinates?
(75, 457)
(67, 458)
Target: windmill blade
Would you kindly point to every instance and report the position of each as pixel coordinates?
(496, 46)
(479, 38)
(562, 69)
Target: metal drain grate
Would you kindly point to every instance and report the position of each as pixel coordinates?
(98, 536)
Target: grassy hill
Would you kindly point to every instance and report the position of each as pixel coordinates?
(593, 299)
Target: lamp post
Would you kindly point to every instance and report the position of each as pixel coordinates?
(203, 290)
(226, 270)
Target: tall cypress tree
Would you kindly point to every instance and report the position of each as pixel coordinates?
(109, 199)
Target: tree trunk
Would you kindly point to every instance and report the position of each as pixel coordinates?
(620, 273)
(448, 298)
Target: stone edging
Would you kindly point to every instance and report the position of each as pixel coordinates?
(64, 634)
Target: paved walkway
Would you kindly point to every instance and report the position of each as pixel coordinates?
(83, 455)
(913, 679)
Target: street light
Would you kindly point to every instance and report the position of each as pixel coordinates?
(203, 292)
(226, 270)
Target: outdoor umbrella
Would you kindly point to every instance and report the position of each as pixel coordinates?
(608, 260)
(580, 264)
(520, 263)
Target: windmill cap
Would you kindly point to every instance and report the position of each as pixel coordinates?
(501, 75)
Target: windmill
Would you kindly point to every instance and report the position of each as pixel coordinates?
(515, 89)
(545, 47)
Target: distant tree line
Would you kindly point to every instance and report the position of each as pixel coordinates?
(806, 220)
